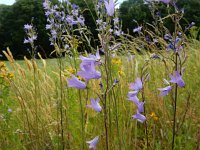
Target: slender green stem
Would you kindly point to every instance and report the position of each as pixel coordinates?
(145, 123)
(61, 104)
(82, 121)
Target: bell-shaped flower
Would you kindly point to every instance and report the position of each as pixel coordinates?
(137, 85)
(110, 7)
(177, 78)
(132, 96)
(95, 105)
(92, 58)
(138, 29)
(139, 117)
(93, 142)
(76, 83)
(140, 106)
(88, 71)
(165, 1)
(165, 91)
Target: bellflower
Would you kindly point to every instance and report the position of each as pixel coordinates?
(88, 71)
(177, 78)
(92, 58)
(138, 29)
(28, 27)
(95, 105)
(93, 142)
(110, 7)
(141, 118)
(76, 83)
(140, 106)
(165, 91)
(137, 85)
(165, 1)
(134, 99)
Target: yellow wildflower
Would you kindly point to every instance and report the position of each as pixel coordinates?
(10, 75)
(69, 71)
(154, 116)
(121, 72)
(116, 61)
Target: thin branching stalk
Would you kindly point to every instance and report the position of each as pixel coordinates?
(176, 91)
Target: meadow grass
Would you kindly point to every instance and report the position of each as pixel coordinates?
(34, 117)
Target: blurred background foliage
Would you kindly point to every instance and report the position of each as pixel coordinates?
(131, 12)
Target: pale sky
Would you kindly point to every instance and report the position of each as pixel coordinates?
(7, 2)
(10, 2)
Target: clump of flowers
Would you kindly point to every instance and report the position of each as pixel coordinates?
(132, 96)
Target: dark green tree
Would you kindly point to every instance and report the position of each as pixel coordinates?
(131, 10)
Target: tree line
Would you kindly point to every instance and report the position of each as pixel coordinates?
(131, 12)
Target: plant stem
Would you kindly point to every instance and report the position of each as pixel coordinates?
(82, 121)
(145, 123)
(61, 103)
(175, 103)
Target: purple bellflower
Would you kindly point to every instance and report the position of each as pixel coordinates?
(139, 117)
(93, 142)
(138, 29)
(140, 106)
(134, 99)
(165, 1)
(137, 85)
(76, 83)
(28, 27)
(132, 96)
(165, 91)
(88, 71)
(92, 58)
(110, 7)
(177, 78)
(95, 105)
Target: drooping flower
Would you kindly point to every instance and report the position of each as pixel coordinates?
(139, 117)
(110, 7)
(88, 71)
(165, 1)
(177, 78)
(92, 58)
(95, 105)
(165, 91)
(137, 85)
(28, 27)
(132, 96)
(140, 106)
(93, 142)
(134, 99)
(138, 29)
(76, 83)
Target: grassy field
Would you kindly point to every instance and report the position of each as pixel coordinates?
(30, 109)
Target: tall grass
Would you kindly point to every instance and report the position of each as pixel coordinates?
(20, 128)
(40, 111)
